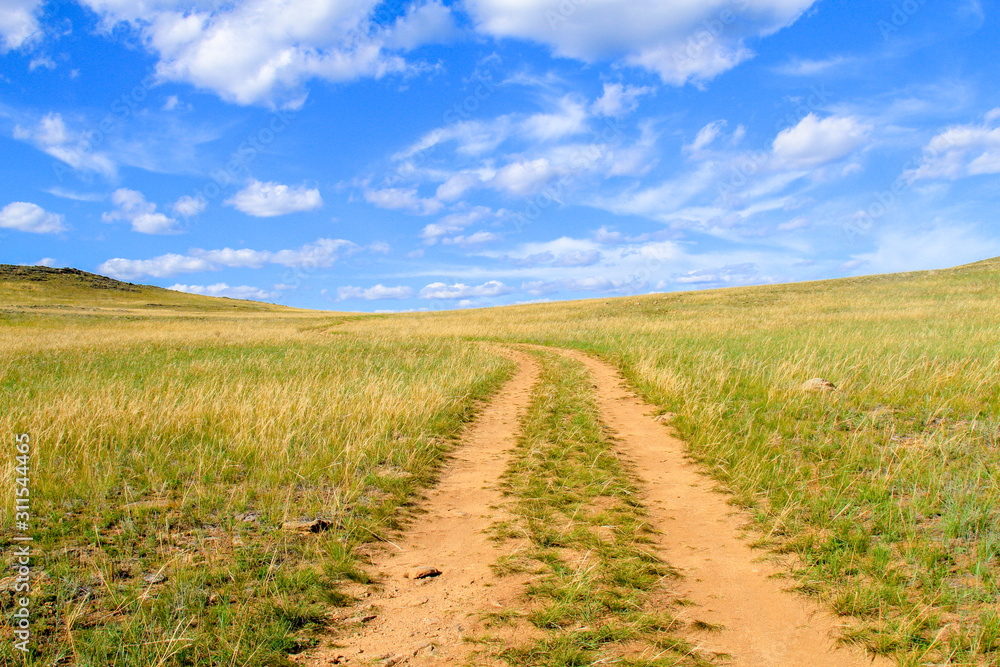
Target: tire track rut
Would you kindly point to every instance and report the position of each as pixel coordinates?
(762, 625)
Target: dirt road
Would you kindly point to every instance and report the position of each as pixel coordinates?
(421, 621)
(762, 624)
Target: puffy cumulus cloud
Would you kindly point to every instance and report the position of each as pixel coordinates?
(680, 41)
(188, 206)
(223, 289)
(243, 258)
(27, 217)
(320, 253)
(619, 100)
(51, 135)
(463, 291)
(263, 51)
(18, 23)
(402, 199)
(141, 214)
(267, 200)
(376, 293)
(960, 151)
(815, 142)
(158, 267)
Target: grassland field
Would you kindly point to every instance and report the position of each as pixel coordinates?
(174, 435)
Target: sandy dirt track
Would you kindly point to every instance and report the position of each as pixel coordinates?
(700, 535)
(422, 621)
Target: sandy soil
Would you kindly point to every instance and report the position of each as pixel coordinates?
(701, 536)
(421, 621)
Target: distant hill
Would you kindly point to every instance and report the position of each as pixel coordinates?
(44, 287)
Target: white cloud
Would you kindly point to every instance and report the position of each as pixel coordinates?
(456, 222)
(570, 118)
(618, 100)
(960, 151)
(27, 217)
(74, 148)
(462, 291)
(222, 289)
(159, 267)
(814, 142)
(263, 51)
(680, 41)
(320, 253)
(47, 261)
(799, 67)
(599, 284)
(524, 177)
(188, 206)
(41, 61)
(233, 258)
(472, 239)
(941, 244)
(18, 23)
(405, 199)
(375, 293)
(456, 186)
(425, 24)
(267, 200)
(133, 207)
(740, 274)
(706, 136)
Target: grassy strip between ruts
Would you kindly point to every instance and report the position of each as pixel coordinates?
(162, 474)
(597, 593)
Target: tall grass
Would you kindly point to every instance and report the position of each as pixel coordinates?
(167, 458)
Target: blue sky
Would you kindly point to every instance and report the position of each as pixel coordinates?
(377, 156)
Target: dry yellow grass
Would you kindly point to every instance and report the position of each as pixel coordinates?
(178, 447)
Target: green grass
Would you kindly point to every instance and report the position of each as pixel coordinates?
(584, 538)
(181, 455)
